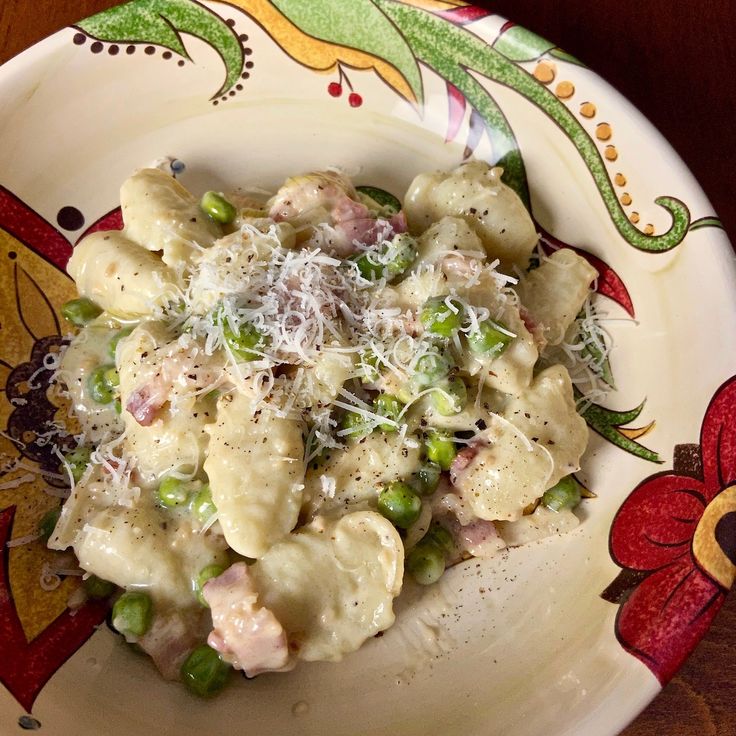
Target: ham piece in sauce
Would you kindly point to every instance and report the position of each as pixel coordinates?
(245, 633)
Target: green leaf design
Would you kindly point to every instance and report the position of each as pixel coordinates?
(607, 423)
(450, 51)
(161, 22)
(702, 222)
(558, 53)
(518, 44)
(357, 24)
(453, 52)
(597, 356)
(594, 348)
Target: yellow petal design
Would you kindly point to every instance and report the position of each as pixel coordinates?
(321, 55)
(708, 542)
(28, 281)
(633, 433)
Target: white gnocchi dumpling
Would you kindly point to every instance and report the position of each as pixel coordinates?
(331, 585)
(255, 466)
(547, 414)
(554, 293)
(505, 472)
(162, 215)
(121, 277)
(447, 241)
(164, 417)
(475, 192)
(352, 477)
(134, 544)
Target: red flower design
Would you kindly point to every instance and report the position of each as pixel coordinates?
(674, 537)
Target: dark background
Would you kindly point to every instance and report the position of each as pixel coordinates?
(676, 61)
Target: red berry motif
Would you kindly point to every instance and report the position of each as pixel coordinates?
(355, 99)
(335, 89)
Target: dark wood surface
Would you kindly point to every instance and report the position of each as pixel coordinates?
(677, 62)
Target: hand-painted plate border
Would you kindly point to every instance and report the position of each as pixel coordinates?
(674, 538)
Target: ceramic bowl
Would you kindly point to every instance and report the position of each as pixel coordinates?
(572, 635)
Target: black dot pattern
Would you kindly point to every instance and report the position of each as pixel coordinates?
(113, 49)
(70, 218)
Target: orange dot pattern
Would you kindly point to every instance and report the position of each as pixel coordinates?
(565, 90)
(588, 110)
(546, 73)
(603, 131)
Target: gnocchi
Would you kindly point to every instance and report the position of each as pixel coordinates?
(288, 405)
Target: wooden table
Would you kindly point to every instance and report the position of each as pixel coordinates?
(676, 62)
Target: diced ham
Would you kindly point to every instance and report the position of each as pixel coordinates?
(353, 222)
(535, 330)
(398, 222)
(144, 404)
(171, 638)
(245, 633)
(464, 458)
(182, 367)
(346, 209)
(308, 192)
(479, 538)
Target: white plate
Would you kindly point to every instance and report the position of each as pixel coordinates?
(246, 93)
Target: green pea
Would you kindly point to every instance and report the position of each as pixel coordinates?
(355, 424)
(98, 588)
(172, 492)
(432, 367)
(368, 366)
(440, 537)
(390, 407)
(565, 494)
(112, 346)
(439, 319)
(245, 342)
(100, 389)
(132, 613)
(80, 311)
(369, 266)
(217, 207)
(48, 523)
(77, 460)
(440, 448)
(402, 253)
(426, 563)
(112, 377)
(427, 478)
(390, 261)
(205, 574)
(451, 398)
(203, 507)
(399, 504)
(204, 672)
(381, 197)
(489, 338)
